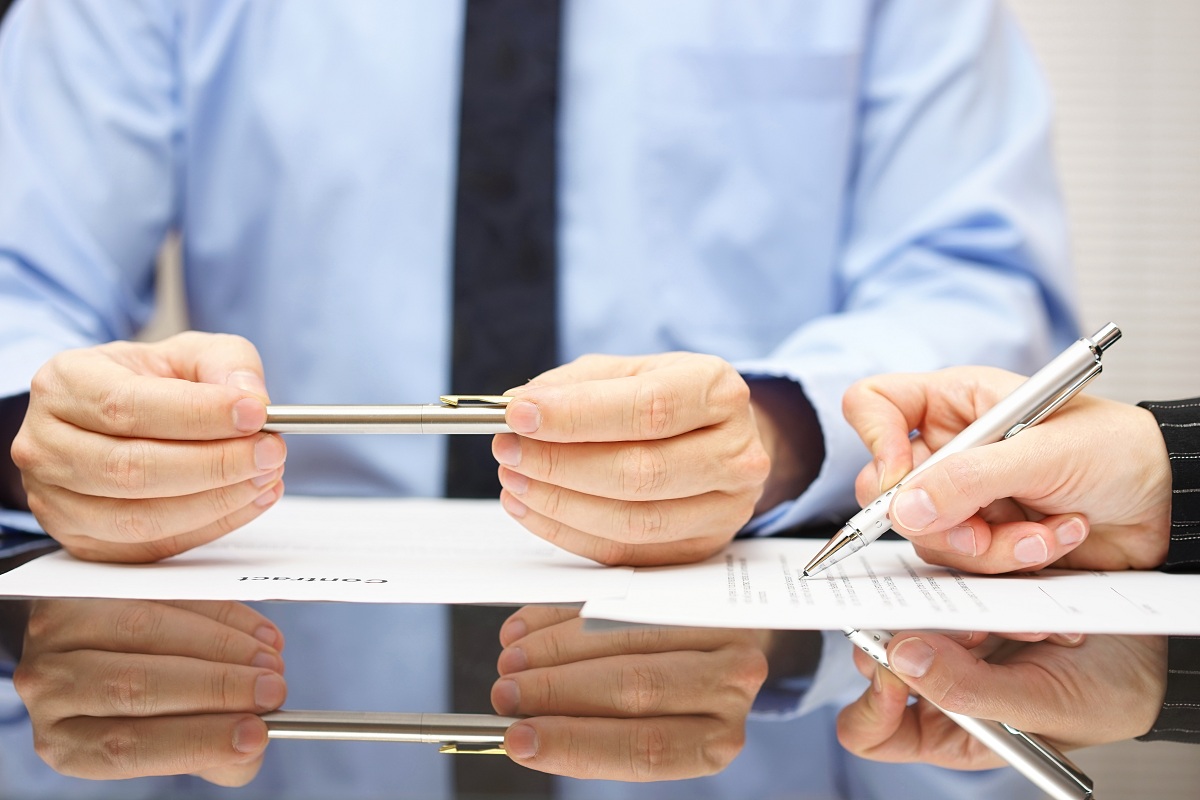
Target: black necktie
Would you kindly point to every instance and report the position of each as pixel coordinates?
(504, 296)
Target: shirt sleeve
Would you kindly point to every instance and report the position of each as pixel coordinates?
(1179, 423)
(955, 246)
(89, 141)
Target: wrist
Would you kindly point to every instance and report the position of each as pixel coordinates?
(791, 434)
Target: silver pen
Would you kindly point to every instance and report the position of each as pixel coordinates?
(456, 733)
(1031, 402)
(456, 413)
(1029, 754)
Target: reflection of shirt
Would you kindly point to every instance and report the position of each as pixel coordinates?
(821, 191)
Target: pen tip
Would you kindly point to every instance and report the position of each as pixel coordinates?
(804, 574)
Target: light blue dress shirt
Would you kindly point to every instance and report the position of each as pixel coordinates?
(814, 190)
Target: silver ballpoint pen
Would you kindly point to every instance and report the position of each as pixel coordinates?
(1029, 754)
(1031, 402)
(456, 413)
(456, 733)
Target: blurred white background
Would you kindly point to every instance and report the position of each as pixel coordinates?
(1126, 78)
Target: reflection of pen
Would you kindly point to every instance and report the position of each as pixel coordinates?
(454, 414)
(1031, 402)
(1033, 757)
(457, 733)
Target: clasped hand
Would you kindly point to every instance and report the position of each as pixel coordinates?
(636, 703)
(124, 688)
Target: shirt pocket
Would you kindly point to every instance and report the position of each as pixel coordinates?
(743, 163)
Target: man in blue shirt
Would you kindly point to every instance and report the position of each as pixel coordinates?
(812, 193)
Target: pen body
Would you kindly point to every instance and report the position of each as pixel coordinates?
(428, 418)
(374, 726)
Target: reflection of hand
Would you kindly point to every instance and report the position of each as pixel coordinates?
(134, 452)
(634, 704)
(1106, 689)
(121, 689)
(1025, 502)
(634, 460)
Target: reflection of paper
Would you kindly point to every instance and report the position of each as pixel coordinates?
(757, 584)
(359, 550)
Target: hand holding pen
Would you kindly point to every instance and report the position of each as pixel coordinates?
(1088, 489)
(1038, 686)
(953, 403)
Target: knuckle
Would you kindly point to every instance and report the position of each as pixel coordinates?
(648, 748)
(716, 753)
(547, 458)
(752, 465)
(963, 476)
(555, 502)
(28, 681)
(25, 454)
(222, 466)
(612, 553)
(137, 622)
(223, 689)
(749, 670)
(546, 695)
(654, 410)
(41, 622)
(136, 522)
(642, 470)
(640, 689)
(641, 523)
(49, 750)
(118, 408)
(642, 639)
(119, 749)
(129, 466)
(126, 689)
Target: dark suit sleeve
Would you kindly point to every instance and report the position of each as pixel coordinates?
(1179, 422)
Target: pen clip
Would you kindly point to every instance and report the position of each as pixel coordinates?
(1055, 403)
(475, 400)
(466, 748)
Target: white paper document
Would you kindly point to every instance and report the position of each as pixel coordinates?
(352, 550)
(757, 583)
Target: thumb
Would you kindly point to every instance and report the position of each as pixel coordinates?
(957, 487)
(216, 358)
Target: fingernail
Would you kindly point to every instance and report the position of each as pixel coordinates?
(512, 659)
(269, 477)
(881, 469)
(513, 629)
(506, 696)
(512, 505)
(521, 741)
(268, 497)
(1072, 638)
(877, 682)
(914, 510)
(959, 636)
(247, 381)
(249, 736)
(515, 482)
(268, 453)
(912, 657)
(523, 416)
(1031, 550)
(507, 449)
(269, 691)
(249, 415)
(1070, 532)
(267, 635)
(265, 660)
(962, 539)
